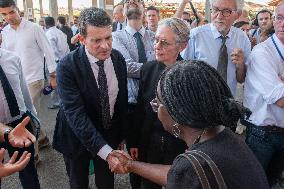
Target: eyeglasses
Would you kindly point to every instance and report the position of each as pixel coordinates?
(279, 18)
(163, 43)
(224, 12)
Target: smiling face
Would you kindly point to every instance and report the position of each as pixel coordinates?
(279, 22)
(223, 15)
(98, 41)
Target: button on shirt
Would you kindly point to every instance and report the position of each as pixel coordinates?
(205, 43)
(58, 42)
(29, 42)
(11, 65)
(125, 42)
(112, 84)
(263, 87)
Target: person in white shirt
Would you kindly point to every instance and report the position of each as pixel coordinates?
(264, 96)
(118, 17)
(29, 42)
(221, 45)
(58, 42)
(15, 100)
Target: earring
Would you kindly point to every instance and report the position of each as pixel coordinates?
(176, 130)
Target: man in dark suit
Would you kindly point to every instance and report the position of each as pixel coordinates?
(92, 86)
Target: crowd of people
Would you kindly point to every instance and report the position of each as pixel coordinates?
(149, 97)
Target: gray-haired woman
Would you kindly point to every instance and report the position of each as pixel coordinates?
(149, 142)
(196, 105)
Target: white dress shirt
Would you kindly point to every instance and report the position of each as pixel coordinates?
(205, 43)
(118, 25)
(29, 42)
(58, 42)
(11, 65)
(113, 89)
(263, 86)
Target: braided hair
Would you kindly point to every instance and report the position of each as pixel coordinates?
(195, 95)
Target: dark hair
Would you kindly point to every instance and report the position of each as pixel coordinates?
(7, 3)
(185, 13)
(94, 17)
(134, 14)
(61, 20)
(195, 95)
(263, 11)
(240, 24)
(49, 21)
(155, 9)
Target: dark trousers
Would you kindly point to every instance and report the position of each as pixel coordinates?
(28, 176)
(162, 149)
(268, 147)
(78, 172)
(135, 180)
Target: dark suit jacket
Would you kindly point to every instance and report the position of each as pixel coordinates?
(78, 124)
(146, 120)
(68, 32)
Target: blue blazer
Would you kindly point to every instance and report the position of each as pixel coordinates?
(78, 123)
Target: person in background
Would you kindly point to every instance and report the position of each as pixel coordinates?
(58, 42)
(118, 17)
(152, 17)
(243, 25)
(61, 24)
(74, 26)
(264, 21)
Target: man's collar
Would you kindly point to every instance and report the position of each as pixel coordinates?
(132, 31)
(216, 33)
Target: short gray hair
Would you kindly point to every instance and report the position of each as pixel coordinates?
(239, 3)
(179, 27)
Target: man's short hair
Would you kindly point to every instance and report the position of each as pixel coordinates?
(239, 4)
(134, 14)
(49, 21)
(61, 20)
(263, 11)
(154, 9)
(94, 17)
(7, 3)
(185, 13)
(240, 24)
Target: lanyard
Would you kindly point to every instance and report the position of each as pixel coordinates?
(280, 54)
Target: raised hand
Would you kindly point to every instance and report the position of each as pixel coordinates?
(13, 166)
(20, 136)
(238, 57)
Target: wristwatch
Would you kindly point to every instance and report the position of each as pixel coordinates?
(6, 135)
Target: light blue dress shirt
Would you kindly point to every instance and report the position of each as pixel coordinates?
(125, 42)
(205, 43)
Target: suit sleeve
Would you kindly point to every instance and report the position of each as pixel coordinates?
(74, 109)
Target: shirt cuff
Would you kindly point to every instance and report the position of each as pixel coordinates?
(104, 151)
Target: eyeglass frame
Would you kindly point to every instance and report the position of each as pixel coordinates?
(276, 18)
(217, 11)
(164, 44)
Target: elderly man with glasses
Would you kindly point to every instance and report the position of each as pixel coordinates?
(224, 47)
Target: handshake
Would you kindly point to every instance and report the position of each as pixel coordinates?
(119, 162)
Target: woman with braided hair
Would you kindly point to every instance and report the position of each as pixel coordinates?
(195, 104)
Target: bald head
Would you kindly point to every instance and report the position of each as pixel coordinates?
(279, 22)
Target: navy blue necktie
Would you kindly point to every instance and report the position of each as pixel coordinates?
(120, 26)
(103, 88)
(223, 59)
(9, 94)
(140, 47)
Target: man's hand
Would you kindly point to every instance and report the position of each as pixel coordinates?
(53, 82)
(20, 136)
(238, 57)
(13, 166)
(253, 41)
(118, 165)
(134, 153)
